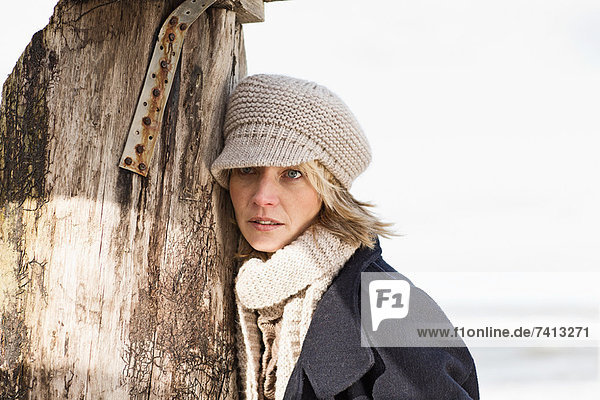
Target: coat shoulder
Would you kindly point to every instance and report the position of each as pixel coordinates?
(334, 363)
(426, 372)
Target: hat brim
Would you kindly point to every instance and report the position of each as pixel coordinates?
(240, 152)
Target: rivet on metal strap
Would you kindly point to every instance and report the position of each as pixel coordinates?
(147, 120)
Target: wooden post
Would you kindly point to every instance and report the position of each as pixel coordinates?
(113, 285)
(247, 10)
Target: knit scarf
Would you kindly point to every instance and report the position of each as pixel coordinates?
(289, 284)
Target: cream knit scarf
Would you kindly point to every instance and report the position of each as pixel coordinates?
(292, 280)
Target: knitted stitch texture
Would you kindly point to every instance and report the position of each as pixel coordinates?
(270, 326)
(292, 280)
(275, 120)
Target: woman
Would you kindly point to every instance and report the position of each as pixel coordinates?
(292, 149)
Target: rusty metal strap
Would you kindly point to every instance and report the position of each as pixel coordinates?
(147, 121)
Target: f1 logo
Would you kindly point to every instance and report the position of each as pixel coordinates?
(389, 299)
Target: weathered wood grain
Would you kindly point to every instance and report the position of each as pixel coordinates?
(246, 10)
(113, 285)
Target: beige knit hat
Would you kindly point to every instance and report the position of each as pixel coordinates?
(275, 120)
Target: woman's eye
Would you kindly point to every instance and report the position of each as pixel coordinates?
(246, 170)
(293, 174)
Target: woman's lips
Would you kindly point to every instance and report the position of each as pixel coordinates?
(264, 224)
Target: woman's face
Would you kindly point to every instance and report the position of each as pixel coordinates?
(273, 205)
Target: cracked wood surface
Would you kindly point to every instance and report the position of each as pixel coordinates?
(113, 285)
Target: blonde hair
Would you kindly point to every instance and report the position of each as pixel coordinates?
(341, 214)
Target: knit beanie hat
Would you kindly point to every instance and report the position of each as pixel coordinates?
(279, 121)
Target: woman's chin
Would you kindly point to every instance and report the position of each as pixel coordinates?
(266, 247)
(266, 244)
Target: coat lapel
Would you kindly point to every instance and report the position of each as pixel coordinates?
(332, 356)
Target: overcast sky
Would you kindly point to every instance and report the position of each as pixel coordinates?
(482, 116)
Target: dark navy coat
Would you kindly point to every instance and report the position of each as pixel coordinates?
(333, 365)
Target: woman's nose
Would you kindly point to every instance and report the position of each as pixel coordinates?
(266, 193)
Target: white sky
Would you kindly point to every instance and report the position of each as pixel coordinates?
(483, 118)
(482, 115)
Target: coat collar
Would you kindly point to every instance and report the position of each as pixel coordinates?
(332, 356)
